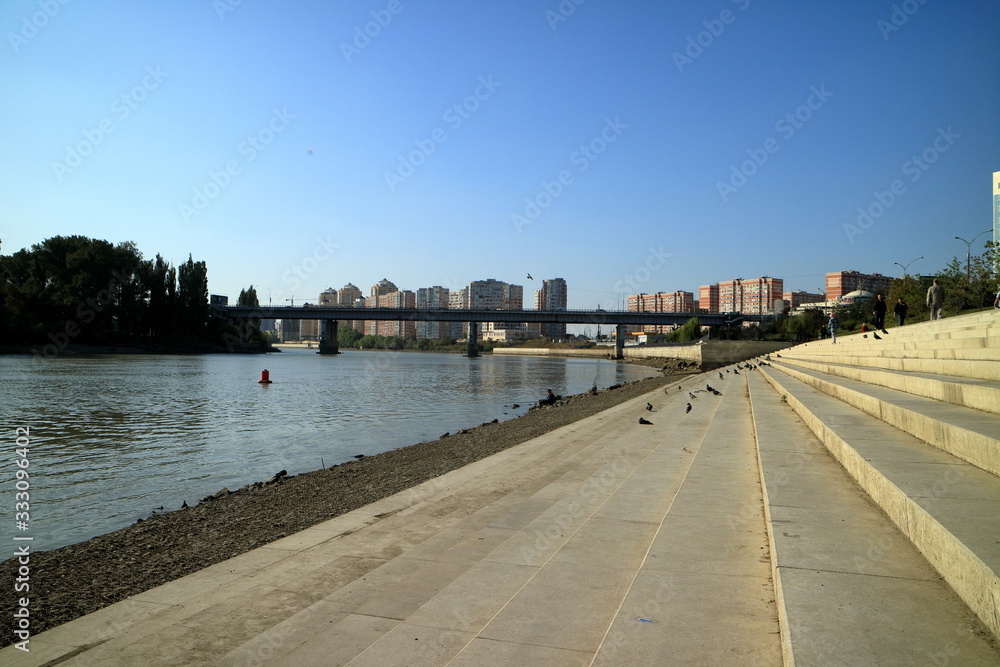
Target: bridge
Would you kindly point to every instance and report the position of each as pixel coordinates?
(329, 316)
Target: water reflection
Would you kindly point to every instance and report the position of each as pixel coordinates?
(114, 437)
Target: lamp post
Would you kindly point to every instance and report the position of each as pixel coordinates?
(968, 252)
(906, 266)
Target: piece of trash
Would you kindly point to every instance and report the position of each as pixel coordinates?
(644, 620)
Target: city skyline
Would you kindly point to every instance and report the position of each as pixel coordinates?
(631, 147)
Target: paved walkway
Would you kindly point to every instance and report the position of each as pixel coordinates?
(605, 542)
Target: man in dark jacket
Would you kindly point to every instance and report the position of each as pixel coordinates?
(900, 310)
(879, 313)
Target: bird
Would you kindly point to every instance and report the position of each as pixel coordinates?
(877, 337)
(692, 395)
(720, 375)
(736, 372)
(688, 409)
(645, 421)
(529, 277)
(777, 355)
(310, 151)
(709, 388)
(649, 406)
(885, 332)
(688, 450)
(866, 335)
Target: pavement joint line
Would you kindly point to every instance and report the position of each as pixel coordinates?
(652, 540)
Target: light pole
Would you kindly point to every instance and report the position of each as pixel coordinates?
(968, 252)
(906, 266)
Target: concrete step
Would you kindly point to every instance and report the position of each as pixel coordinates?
(982, 365)
(851, 589)
(967, 392)
(972, 435)
(945, 506)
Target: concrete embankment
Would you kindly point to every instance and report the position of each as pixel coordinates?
(707, 354)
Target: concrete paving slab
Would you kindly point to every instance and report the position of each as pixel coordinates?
(491, 652)
(339, 643)
(413, 645)
(541, 614)
(700, 619)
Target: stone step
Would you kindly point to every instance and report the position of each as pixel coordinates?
(967, 392)
(972, 435)
(945, 506)
(851, 589)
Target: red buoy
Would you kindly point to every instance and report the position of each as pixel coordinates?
(265, 377)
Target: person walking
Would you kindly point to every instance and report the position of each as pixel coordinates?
(900, 310)
(833, 325)
(879, 313)
(935, 299)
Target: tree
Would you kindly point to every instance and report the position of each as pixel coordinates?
(192, 298)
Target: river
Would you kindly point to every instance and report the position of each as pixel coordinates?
(114, 438)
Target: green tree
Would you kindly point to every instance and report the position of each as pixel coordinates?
(192, 298)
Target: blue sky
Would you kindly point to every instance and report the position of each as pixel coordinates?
(623, 146)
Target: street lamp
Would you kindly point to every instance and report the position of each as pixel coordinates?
(968, 252)
(906, 266)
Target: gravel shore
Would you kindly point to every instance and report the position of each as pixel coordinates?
(77, 579)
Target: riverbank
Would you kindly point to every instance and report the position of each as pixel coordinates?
(75, 580)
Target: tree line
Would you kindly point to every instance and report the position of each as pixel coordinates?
(74, 290)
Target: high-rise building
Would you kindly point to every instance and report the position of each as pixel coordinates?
(349, 296)
(756, 296)
(552, 296)
(839, 283)
(433, 297)
(492, 294)
(400, 328)
(797, 298)
(661, 302)
(708, 298)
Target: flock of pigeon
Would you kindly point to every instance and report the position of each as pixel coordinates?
(709, 388)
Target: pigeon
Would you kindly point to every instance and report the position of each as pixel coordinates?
(649, 406)
(645, 421)
(885, 332)
(692, 395)
(877, 337)
(866, 335)
(720, 375)
(777, 355)
(688, 409)
(688, 450)
(709, 388)
(737, 372)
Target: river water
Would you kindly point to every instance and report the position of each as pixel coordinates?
(115, 437)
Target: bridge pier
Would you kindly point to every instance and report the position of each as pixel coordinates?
(473, 347)
(328, 343)
(619, 341)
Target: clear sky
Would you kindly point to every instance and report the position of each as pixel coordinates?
(624, 146)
